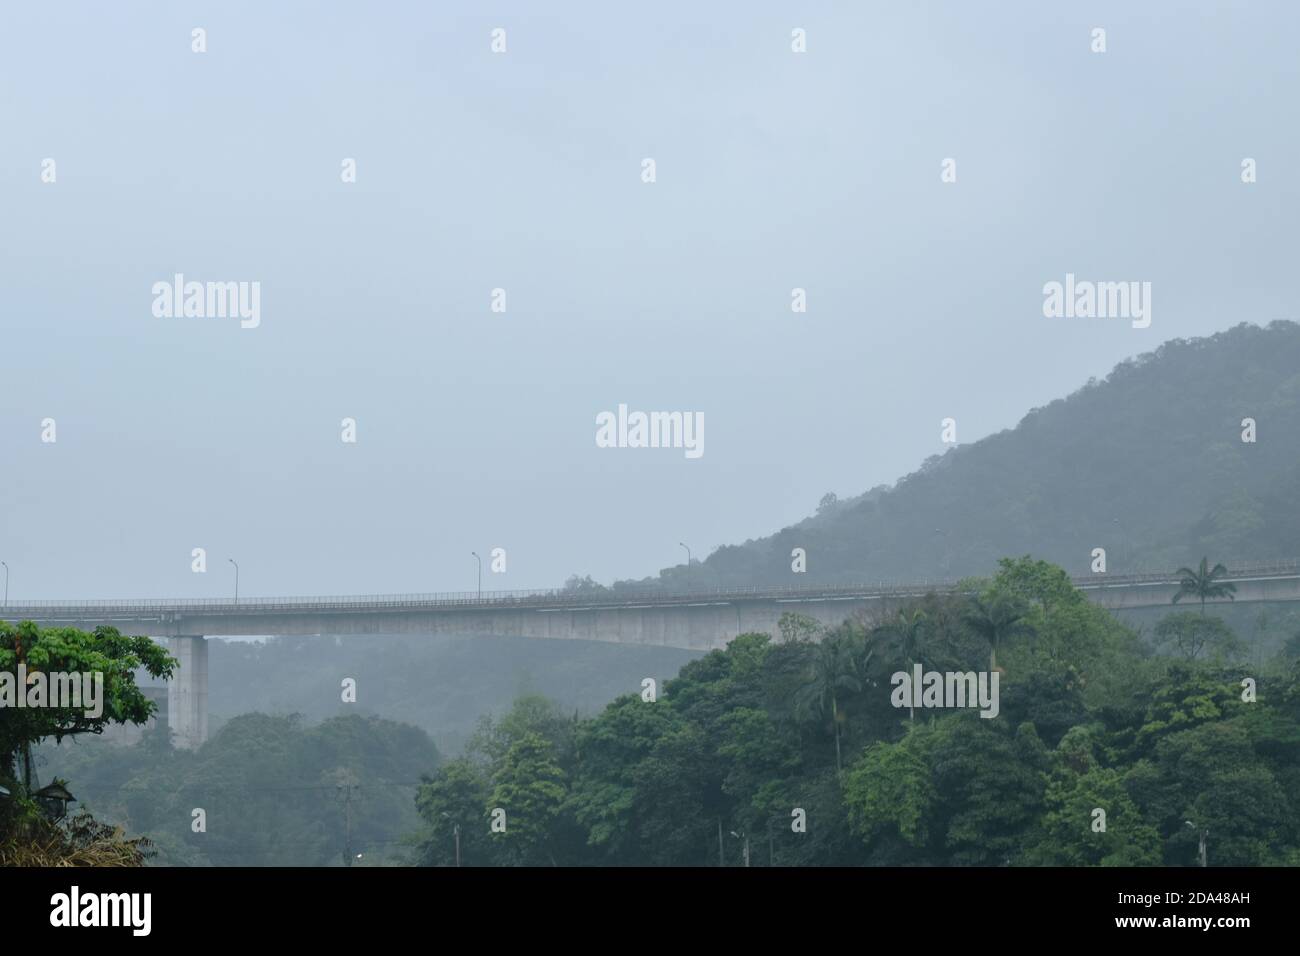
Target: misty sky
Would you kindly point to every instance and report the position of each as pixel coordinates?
(523, 171)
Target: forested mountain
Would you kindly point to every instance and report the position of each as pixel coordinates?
(1148, 463)
(1184, 717)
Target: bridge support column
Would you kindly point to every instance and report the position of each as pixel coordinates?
(187, 693)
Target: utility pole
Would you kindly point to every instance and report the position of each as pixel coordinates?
(1203, 835)
(743, 835)
(455, 830)
(346, 791)
(27, 769)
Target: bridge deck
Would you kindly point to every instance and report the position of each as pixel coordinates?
(564, 599)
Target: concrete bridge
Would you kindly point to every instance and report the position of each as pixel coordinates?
(700, 620)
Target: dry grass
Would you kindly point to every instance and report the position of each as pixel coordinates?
(80, 841)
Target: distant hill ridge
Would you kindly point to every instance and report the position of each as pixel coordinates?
(1148, 463)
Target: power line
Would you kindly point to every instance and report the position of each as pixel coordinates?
(241, 788)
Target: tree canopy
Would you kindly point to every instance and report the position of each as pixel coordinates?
(1101, 753)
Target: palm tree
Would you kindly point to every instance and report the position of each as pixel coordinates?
(905, 634)
(1201, 583)
(996, 617)
(833, 669)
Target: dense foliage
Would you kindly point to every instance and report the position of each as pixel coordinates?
(102, 665)
(29, 650)
(745, 743)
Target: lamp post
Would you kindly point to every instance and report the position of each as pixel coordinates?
(480, 574)
(6, 604)
(236, 564)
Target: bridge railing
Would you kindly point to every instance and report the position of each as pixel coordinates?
(618, 596)
(1236, 572)
(459, 599)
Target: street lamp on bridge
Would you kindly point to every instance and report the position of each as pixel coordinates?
(236, 564)
(6, 604)
(480, 574)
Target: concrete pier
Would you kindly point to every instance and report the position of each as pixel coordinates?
(187, 693)
(701, 620)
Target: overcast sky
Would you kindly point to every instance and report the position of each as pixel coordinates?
(523, 171)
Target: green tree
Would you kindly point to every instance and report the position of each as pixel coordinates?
(529, 714)
(758, 756)
(996, 617)
(798, 627)
(1213, 776)
(584, 585)
(1203, 583)
(451, 803)
(679, 799)
(1190, 633)
(952, 791)
(833, 672)
(1071, 831)
(66, 650)
(1044, 584)
(1180, 697)
(606, 797)
(891, 788)
(904, 635)
(992, 783)
(1070, 834)
(530, 787)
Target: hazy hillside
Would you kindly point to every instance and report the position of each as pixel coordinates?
(1149, 464)
(257, 770)
(439, 683)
